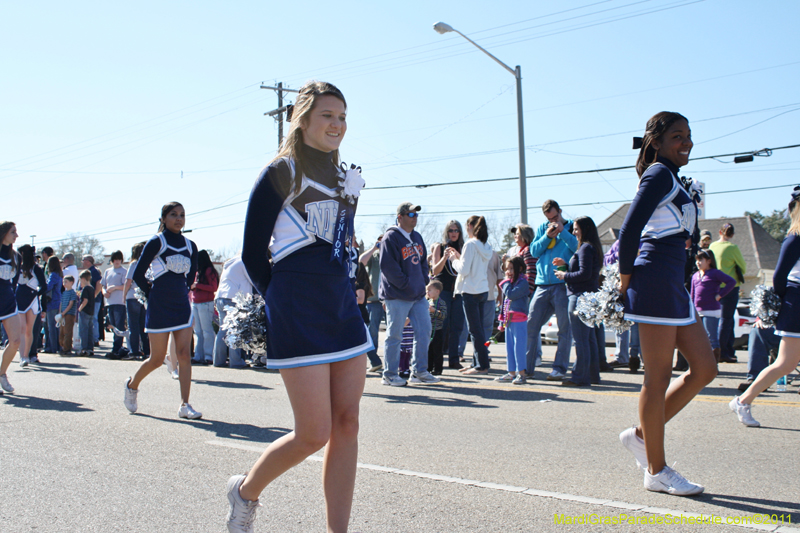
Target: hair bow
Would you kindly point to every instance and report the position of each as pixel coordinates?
(796, 193)
(637, 143)
(289, 111)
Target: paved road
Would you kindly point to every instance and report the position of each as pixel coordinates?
(464, 455)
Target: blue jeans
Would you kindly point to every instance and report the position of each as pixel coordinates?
(203, 328)
(711, 323)
(516, 346)
(375, 310)
(474, 305)
(140, 342)
(453, 326)
(760, 343)
(488, 318)
(396, 313)
(587, 360)
(95, 323)
(726, 325)
(86, 329)
(549, 299)
(221, 350)
(51, 346)
(116, 318)
(627, 344)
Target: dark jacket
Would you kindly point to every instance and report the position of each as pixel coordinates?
(404, 266)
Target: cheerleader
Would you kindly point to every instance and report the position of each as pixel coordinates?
(9, 275)
(165, 271)
(30, 286)
(298, 221)
(663, 215)
(786, 283)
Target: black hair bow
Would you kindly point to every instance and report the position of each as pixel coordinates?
(289, 111)
(637, 143)
(796, 193)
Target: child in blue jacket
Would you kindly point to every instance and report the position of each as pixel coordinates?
(514, 319)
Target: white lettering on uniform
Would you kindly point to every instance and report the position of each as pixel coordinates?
(321, 218)
(179, 264)
(7, 272)
(689, 217)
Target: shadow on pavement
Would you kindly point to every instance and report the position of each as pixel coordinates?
(44, 404)
(230, 384)
(790, 510)
(68, 369)
(226, 430)
(465, 393)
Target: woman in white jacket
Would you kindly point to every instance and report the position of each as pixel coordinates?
(473, 286)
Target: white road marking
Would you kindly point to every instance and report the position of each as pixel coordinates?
(777, 528)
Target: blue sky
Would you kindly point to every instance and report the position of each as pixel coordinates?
(110, 110)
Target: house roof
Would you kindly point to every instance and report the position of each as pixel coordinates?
(759, 249)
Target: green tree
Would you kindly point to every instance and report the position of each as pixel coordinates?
(776, 224)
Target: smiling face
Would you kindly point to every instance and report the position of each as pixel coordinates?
(326, 124)
(509, 270)
(676, 144)
(576, 230)
(175, 219)
(703, 264)
(453, 233)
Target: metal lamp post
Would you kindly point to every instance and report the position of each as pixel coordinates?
(443, 28)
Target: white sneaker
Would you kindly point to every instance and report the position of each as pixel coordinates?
(635, 445)
(186, 411)
(242, 513)
(175, 374)
(5, 384)
(24, 361)
(424, 377)
(130, 397)
(742, 410)
(671, 482)
(506, 378)
(394, 381)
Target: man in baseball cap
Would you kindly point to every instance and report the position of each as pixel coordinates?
(406, 208)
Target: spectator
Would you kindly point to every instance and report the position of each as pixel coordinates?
(706, 293)
(139, 341)
(443, 270)
(86, 312)
(553, 239)
(729, 261)
(69, 269)
(438, 311)
(69, 310)
(705, 239)
(404, 276)
(762, 347)
(113, 283)
(371, 259)
(494, 274)
(202, 298)
(473, 285)
(88, 264)
(52, 298)
(514, 315)
(233, 281)
(627, 353)
(523, 236)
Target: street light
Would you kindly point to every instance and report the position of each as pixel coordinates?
(443, 28)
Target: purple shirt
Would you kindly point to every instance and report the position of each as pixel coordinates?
(706, 288)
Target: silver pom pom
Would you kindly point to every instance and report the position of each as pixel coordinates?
(141, 296)
(604, 306)
(245, 324)
(765, 304)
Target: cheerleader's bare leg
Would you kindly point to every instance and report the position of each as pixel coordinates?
(325, 400)
(158, 350)
(28, 319)
(661, 400)
(787, 360)
(183, 344)
(13, 327)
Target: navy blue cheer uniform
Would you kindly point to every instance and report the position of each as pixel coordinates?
(29, 287)
(9, 274)
(289, 239)
(786, 283)
(663, 216)
(165, 271)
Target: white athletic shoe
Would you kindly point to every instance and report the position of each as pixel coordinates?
(186, 411)
(242, 512)
(742, 410)
(175, 374)
(671, 482)
(635, 445)
(424, 377)
(24, 361)
(130, 397)
(5, 384)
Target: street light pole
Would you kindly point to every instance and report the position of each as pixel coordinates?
(442, 28)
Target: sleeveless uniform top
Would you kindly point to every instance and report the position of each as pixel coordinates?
(310, 305)
(165, 271)
(9, 275)
(663, 216)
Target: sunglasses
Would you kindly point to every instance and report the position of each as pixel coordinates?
(453, 231)
(411, 214)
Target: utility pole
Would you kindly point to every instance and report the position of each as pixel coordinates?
(277, 114)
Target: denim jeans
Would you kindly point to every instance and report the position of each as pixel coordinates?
(587, 361)
(711, 323)
(95, 322)
(760, 343)
(396, 313)
(116, 318)
(86, 329)
(473, 311)
(452, 326)
(516, 346)
(51, 346)
(549, 299)
(203, 328)
(221, 350)
(375, 310)
(140, 342)
(726, 325)
(488, 318)
(623, 340)
(600, 335)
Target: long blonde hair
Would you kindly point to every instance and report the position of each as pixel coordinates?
(794, 214)
(305, 103)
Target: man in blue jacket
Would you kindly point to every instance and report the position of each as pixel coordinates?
(404, 276)
(553, 239)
